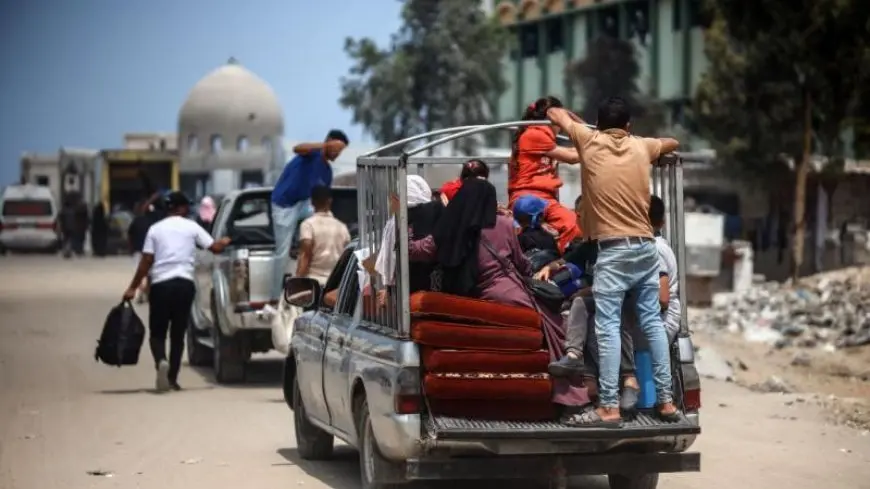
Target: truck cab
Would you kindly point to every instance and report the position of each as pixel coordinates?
(359, 375)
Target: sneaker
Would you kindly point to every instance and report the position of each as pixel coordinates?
(162, 383)
(567, 366)
(174, 386)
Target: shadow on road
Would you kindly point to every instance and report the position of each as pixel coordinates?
(342, 472)
(339, 472)
(122, 392)
(261, 372)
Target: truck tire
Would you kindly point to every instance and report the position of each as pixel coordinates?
(373, 467)
(229, 359)
(312, 443)
(646, 481)
(198, 355)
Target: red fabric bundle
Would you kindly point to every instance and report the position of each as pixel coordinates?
(437, 360)
(476, 337)
(490, 387)
(496, 411)
(448, 307)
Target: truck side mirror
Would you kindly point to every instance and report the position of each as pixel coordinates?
(302, 292)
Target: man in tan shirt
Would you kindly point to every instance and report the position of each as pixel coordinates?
(322, 238)
(616, 178)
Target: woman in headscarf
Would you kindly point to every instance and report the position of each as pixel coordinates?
(423, 213)
(99, 230)
(533, 169)
(478, 252)
(470, 169)
(206, 212)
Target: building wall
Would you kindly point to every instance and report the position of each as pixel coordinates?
(670, 51)
(156, 141)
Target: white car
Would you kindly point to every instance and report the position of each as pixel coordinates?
(28, 219)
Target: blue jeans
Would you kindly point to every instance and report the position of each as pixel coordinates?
(624, 267)
(284, 223)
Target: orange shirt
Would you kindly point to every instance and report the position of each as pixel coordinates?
(533, 169)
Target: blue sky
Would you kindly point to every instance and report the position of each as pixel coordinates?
(81, 73)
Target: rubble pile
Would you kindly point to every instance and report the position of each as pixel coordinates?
(829, 310)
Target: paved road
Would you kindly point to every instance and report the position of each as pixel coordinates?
(62, 414)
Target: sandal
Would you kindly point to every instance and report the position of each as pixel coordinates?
(591, 419)
(673, 417)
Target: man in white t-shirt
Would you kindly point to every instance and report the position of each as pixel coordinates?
(168, 256)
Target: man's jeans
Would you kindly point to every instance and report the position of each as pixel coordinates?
(622, 267)
(284, 223)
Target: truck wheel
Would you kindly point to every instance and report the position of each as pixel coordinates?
(229, 360)
(198, 355)
(373, 467)
(646, 481)
(312, 443)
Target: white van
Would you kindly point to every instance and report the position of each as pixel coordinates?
(28, 219)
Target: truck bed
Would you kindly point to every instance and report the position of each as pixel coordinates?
(645, 425)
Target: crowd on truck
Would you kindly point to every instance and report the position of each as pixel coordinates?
(598, 281)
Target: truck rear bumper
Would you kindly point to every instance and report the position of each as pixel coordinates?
(545, 466)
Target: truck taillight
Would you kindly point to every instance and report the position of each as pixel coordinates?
(407, 393)
(692, 399)
(239, 286)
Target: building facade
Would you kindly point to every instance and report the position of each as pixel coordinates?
(550, 34)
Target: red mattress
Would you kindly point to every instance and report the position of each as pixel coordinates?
(488, 387)
(448, 307)
(476, 336)
(498, 411)
(437, 360)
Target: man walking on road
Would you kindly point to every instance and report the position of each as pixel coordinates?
(291, 197)
(616, 188)
(167, 259)
(322, 238)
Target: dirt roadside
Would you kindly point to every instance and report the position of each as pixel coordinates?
(838, 381)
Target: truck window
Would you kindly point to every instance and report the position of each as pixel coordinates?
(250, 220)
(26, 208)
(337, 274)
(350, 289)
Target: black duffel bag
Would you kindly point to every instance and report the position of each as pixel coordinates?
(122, 337)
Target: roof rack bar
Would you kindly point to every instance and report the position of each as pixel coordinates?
(473, 131)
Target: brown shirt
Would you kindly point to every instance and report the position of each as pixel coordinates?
(615, 176)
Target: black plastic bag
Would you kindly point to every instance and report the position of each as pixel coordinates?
(122, 337)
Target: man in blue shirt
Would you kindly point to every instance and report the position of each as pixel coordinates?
(291, 197)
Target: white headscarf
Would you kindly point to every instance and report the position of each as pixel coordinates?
(418, 193)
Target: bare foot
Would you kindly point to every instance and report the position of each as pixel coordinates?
(667, 408)
(630, 381)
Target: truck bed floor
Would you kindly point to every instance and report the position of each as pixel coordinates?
(645, 425)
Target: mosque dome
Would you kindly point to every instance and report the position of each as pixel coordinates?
(231, 109)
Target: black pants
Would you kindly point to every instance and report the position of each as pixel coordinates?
(169, 311)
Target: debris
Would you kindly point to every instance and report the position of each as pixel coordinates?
(101, 473)
(191, 461)
(801, 359)
(827, 310)
(29, 436)
(773, 384)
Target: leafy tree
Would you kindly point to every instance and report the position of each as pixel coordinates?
(443, 68)
(610, 68)
(783, 81)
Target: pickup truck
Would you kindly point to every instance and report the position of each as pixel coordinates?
(359, 378)
(232, 288)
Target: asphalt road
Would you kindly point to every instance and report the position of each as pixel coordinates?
(62, 415)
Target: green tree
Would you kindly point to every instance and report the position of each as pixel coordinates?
(443, 68)
(783, 81)
(610, 68)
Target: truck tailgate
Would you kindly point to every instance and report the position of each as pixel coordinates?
(644, 426)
